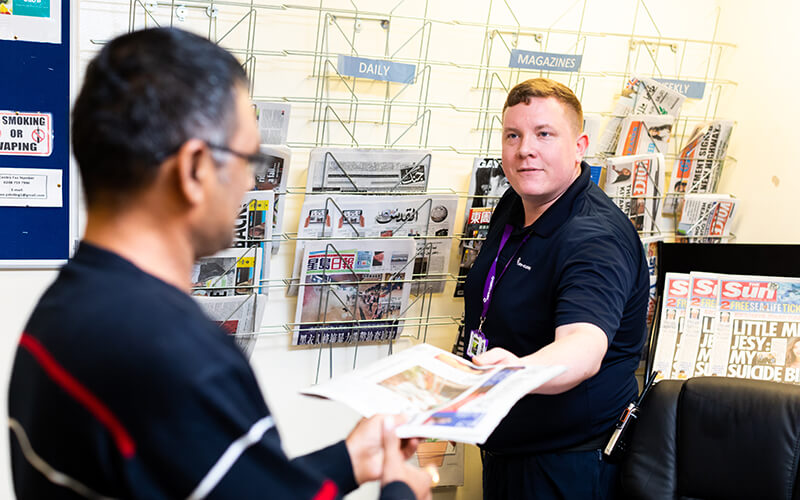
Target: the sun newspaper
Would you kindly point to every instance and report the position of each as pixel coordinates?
(736, 326)
(443, 395)
(429, 219)
(273, 176)
(353, 291)
(707, 218)
(699, 163)
(487, 184)
(368, 170)
(635, 184)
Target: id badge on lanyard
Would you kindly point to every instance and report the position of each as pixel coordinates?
(478, 343)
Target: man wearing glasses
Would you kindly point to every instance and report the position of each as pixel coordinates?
(121, 388)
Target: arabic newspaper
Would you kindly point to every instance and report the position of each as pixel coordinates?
(752, 332)
(368, 170)
(429, 219)
(645, 134)
(444, 396)
(635, 184)
(233, 271)
(353, 291)
(699, 163)
(641, 96)
(238, 315)
(487, 184)
(707, 218)
(253, 228)
(673, 314)
(273, 121)
(273, 177)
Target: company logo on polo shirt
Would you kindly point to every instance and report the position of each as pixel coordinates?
(523, 266)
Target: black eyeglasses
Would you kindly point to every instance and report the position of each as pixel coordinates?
(258, 162)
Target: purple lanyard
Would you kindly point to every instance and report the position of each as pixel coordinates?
(491, 277)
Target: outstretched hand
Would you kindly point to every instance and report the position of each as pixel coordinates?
(395, 467)
(365, 444)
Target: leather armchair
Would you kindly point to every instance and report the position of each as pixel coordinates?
(715, 438)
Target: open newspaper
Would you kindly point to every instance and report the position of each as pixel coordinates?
(273, 121)
(368, 170)
(429, 219)
(253, 228)
(735, 326)
(273, 176)
(353, 291)
(699, 163)
(239, 316)
(444, 396)
(635, 184)
(641, 96)
(487, 184)
(707, 218)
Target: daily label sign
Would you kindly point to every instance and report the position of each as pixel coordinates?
(376, 69)
(26, 134)
(526, 59)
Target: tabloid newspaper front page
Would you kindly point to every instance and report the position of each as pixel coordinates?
(444, 396)
(429, 219)
(707, 218)
(273, 177)
(368, 170)
(737, 326)
(233, 271)
(487, 184)
(635, 184)
(238, 315)
(253, 228)
(353, 291)
(642, 134)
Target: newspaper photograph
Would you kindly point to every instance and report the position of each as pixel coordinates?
(635, 184)
(353, 291)
(673, 311)
(429, 219)
(699, 163)
(239, 316)
(273, 121)
(641, 134)
(641, 96)
(707, 218)
(233, 271)
(368, 170)
(487, 184)
(443, 396)
(253, 228)
(273, 177)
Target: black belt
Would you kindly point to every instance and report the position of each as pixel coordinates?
(595, 443)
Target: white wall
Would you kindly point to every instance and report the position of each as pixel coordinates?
(761, 178)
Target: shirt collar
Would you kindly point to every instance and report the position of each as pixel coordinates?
(558, 213)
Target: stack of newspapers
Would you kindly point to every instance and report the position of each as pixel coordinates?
(729, 326)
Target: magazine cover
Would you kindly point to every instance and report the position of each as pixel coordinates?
(239, 316)
(353, 291)
(699, 163)
(273, 121)
(673, 314)
(233, 271)
(635, 184)
(429, 219)
(368, 170)
(487, 184)
(254, 228)
(273, 177)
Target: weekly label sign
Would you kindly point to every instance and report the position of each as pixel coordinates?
(691, 89)
(376, 69)
(26, 134)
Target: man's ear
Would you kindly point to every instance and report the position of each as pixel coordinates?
(192, 167)
(581, 145)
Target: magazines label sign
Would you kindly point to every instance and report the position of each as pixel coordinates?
(525, 59)
(376, 69)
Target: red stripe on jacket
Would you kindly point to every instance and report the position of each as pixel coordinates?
(80, 393)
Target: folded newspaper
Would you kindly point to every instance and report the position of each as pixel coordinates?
(443, 396)
(707, 218)
(272, 176)
(368, 170)
(635, 184)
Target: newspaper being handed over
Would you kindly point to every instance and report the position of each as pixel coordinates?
(443, 396)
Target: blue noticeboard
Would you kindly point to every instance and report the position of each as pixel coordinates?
(38, 77)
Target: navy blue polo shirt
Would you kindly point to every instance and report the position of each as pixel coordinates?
(583, 262)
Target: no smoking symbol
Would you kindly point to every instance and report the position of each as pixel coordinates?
(38, 135)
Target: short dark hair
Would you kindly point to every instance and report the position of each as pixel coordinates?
(144, 95)
(544, 87)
